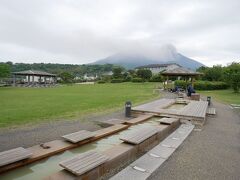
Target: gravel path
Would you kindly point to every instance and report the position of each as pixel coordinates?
(213, 153)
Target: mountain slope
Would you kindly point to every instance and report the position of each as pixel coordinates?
(132, 61)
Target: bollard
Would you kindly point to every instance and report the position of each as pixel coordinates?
(209, 100)
(128, 106)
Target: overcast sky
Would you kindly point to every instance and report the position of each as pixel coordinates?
(82, 31)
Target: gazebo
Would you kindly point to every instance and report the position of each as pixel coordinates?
(187, 74)
(33, 77)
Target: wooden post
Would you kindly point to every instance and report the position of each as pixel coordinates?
(14, 79)
(45, 79)
(192, 81)
(167, 82)
(28, 79)
(33, 79)
(164, 86)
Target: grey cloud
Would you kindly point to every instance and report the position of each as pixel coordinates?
(74, 31)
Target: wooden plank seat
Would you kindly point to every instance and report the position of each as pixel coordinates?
(167, 120)
(14, 155)
(84, 162)
(78, 136)
(211, 111)
(140, 135)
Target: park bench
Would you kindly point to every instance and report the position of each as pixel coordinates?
(84, 162)
(14, 155)
(140, 135)
(79, 136)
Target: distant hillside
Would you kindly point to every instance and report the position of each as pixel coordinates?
(131, 61)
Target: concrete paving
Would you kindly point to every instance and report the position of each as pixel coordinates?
(147, 164)
(212, 153)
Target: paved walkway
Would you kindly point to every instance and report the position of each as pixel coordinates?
(213, 153)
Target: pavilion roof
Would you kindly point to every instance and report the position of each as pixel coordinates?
(34, 72)
(180, 71)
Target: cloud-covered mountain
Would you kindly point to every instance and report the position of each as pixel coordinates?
(166, 54)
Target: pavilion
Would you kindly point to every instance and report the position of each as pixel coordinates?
(179, 72)
(34, 78)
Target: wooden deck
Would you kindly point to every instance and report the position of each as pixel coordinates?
(14, 155)
(83, 163)
(167, 121)
(139, 136)
(78, 136)
(211, 111)
(154, 106)
(195, 109)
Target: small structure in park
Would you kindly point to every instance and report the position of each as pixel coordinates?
(180, 72)
(157, 68)
(33, 78)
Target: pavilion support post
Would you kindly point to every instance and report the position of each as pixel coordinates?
(45, 80)
(167, 81)
(14, 80)
(40, 79)
(32, 79)
(28, 79)
(192, 81)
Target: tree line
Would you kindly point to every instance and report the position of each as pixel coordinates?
(229, 74)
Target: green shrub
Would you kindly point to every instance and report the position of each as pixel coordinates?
(137, 80)
(128, 78)
(203, 85)
(101, 82)
(210, 85)
(181, 83)
(156, 78)
(116, 80)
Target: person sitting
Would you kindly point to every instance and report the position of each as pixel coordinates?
(190, 90)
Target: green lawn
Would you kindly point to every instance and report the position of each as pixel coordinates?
(19, 106)
(226, 96)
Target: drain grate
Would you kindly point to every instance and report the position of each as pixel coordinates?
(175, 138)
(139, 169)
(165, 145)
(154, 155)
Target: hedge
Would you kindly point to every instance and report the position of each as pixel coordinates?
(116, 80)
(137, 80)
(210, 85)
(101, 82)
(203, 85)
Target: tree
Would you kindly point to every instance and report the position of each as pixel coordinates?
(145, 74)
(232, 76)
(4, 70)
(214, 73)
(117, 72)
(66, 77)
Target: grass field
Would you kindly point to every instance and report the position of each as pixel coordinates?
(20, 106)
(226, 96)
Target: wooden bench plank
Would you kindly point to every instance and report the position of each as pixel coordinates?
(84, 162)
(14, 155)
(140, 135)
(138, 119)
(78, 136)
(167, 121)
